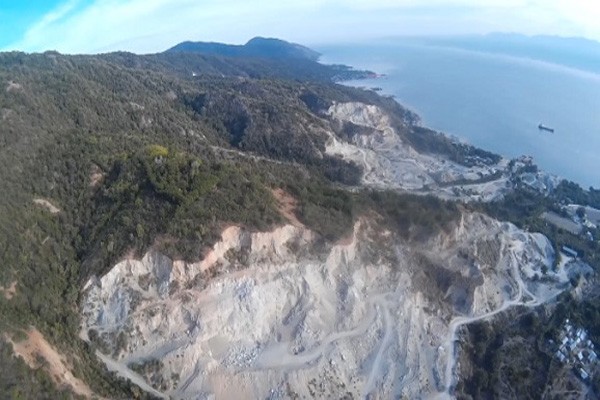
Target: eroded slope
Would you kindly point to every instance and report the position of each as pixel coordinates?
(389, 159)
(279, 314)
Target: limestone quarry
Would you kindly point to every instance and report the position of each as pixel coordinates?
(285, 314)
(281, 315)
(389, 162)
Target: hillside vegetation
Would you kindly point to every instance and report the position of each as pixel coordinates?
(108, 156)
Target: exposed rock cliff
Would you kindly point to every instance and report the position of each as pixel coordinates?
(281, 314)
(388, 161)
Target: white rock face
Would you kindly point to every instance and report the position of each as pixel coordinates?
(277, 314)
(388, 162)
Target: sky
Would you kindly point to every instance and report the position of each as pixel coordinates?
(149, 26)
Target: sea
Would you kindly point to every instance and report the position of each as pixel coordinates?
(493, 101)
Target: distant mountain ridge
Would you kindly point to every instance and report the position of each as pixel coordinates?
(256, 47)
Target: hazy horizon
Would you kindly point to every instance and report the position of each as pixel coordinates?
(93, 26)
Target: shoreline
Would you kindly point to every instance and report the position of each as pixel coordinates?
(499, 173)
(491, 120)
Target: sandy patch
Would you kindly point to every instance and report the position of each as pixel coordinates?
(36, 346)
(5, 113)
(171, 95)
(96, 176)
(10, 291)
(13, 86)
(287, 206)
(49, 206)
(136, 106)
(145, 122)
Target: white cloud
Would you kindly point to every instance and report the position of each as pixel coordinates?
(153, 25)
(46, 22)
(56, 14)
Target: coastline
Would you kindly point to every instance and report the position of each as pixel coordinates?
(490, 182)
(495, 104)
(522, 173)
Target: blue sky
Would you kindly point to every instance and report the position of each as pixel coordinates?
(144, 26)
(17, 16)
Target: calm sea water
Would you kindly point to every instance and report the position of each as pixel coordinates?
(492, 101)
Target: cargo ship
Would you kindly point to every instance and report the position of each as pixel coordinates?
(543, 127)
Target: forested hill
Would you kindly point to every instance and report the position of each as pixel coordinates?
(111, 155)
(257, 47)
(259, 58)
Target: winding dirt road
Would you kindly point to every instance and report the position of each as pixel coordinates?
(524, 297)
